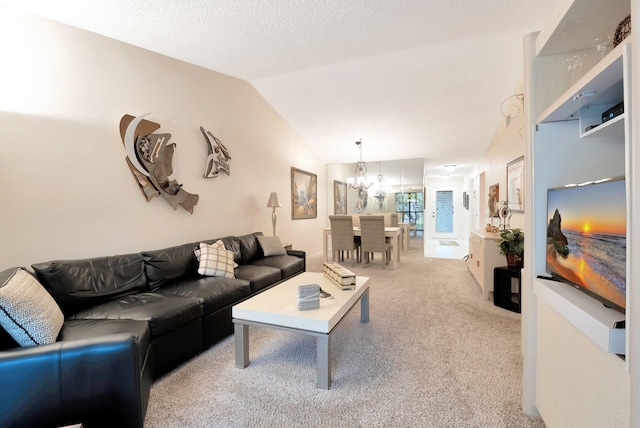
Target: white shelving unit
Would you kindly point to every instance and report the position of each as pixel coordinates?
(571, 348)
(604, 86)
(588, 316)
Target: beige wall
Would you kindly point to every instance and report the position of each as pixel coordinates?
(507, 144)
(65, 190)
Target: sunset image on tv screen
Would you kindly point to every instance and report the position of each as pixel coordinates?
(586, 238)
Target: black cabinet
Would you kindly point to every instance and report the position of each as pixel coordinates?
(507, 289)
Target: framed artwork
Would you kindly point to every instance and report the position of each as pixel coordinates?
(494, 200)
(304, 194)
(339, 197)
(515, 185)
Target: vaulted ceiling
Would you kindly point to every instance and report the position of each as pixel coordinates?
(410, 78)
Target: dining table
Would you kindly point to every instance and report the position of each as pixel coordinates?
(393, 233)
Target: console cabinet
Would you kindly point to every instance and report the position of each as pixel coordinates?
(484, 256)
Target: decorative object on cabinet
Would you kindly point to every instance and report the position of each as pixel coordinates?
(491, 229)
(274, 203)
(504, 212)
(515, 185)
(339, 197)
(304, 194)
(358, 183)
(149, 158)
(494, 197)
(511, 244)
(622, 31)
(218, 157)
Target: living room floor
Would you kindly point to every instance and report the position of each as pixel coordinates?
(442, 248)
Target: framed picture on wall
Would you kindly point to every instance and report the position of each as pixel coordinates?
(515, 185)
(339, 197)
(304, 194)
(494, 200)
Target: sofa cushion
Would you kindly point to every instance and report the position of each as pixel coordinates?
(163, 266)
(271, 246)
(215, 260)
(249, 247)
(87, 329)
(289, 265)
(259, 276)
(215, 292)
(79, 284)
(163, 313)
(27, 312)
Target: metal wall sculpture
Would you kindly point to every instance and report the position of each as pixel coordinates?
(149, 157)
(218, 158)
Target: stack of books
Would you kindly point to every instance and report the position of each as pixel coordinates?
(340, 275)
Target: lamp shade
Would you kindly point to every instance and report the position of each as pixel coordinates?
(274, 202)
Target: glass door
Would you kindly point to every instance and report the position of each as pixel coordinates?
(443, 214)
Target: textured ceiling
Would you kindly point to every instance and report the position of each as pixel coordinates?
(411, 78)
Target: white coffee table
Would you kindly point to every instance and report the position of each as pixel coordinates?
(278, 308)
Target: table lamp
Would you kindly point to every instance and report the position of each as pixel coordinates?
(274, 203)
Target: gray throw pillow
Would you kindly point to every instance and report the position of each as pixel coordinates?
(271, 246)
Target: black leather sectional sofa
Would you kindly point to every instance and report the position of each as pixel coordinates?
(129, 319)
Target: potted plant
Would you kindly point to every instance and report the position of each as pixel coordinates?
(512, 245)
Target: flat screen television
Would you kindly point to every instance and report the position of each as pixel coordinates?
(586, 239)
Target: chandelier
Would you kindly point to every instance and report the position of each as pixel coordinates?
(380, 190)
(361, 177)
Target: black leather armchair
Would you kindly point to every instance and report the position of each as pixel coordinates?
(94, 381)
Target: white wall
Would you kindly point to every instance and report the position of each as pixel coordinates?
(508, 144)
(66, 191)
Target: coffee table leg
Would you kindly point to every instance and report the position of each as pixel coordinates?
(324, 361)
(241, 336)
(364, 307)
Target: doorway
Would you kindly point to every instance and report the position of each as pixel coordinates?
(442, 213)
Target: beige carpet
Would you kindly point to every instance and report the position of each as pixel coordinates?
(433, 355)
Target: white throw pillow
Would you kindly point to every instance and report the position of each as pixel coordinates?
(27, 312)
(271, 246)
(215, 261)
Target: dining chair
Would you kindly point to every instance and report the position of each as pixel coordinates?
(394, 220)
(342, 238)
(372, 238)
